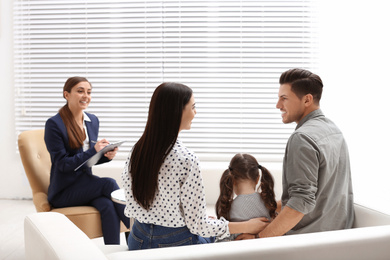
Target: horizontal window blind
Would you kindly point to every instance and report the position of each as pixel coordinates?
(231, 53)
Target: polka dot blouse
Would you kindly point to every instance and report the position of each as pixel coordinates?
(180, 199)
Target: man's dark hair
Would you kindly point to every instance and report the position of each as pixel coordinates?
(303, 82)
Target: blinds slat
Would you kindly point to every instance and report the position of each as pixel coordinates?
(230, 53)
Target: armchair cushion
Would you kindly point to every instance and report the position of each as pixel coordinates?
(36, 162)
(40, 202)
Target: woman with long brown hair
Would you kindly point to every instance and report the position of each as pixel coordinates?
(163, 183)
(71, 137)
(241, 179)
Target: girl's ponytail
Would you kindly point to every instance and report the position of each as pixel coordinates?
(267, 191)
(224, 202)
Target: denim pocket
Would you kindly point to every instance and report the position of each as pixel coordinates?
(184, 242)
(134, 242)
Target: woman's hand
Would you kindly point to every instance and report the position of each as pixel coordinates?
(111, 154)
(252, 226)
(256, 225)
(101, 144)
(245, 236)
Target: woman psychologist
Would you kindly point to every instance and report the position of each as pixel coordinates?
(71, 138)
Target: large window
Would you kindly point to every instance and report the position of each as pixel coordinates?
(231, 53)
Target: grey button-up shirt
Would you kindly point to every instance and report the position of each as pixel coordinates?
(317, 176)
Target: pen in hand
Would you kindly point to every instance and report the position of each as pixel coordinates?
(94, 142)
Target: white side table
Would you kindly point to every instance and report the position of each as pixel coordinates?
(118, 196)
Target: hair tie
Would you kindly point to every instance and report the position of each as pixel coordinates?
(230, 168)
(259, 166)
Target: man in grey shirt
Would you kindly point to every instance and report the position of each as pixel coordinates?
(317, 187)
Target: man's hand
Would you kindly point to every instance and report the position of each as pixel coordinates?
(284, 222)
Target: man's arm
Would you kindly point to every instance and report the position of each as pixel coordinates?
(284, 222)
(278, 206)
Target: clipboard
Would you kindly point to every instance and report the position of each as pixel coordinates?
(95, 158)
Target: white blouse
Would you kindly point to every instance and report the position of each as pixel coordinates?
(180, 199)
(86, 141)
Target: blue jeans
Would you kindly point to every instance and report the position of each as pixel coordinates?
(143, 236)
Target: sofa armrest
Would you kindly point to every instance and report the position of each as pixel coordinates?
(367, 217)
(51, 235)
(40, 202)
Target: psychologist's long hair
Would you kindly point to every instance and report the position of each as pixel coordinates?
(76, 136)
(245, 167)
(161, 131)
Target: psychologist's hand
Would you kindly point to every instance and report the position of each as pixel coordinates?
(111, 154)
(101, 144)
(245, 236)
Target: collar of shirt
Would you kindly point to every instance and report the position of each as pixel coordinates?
(311, 115)
(86, 145)
(86, 117)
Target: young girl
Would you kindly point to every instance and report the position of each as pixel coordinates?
(163, 183)
(241, 179)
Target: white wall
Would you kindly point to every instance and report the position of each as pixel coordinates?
(13, 183)
(354, 55)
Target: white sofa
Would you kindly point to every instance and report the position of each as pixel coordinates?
(52, 236)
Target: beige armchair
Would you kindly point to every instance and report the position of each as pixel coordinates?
(36, 163)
